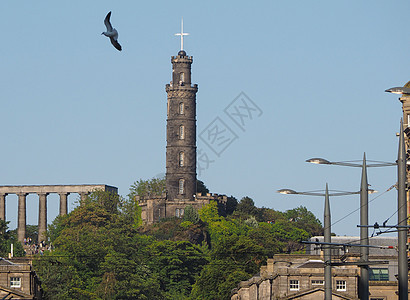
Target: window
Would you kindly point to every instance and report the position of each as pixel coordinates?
(15, 282)
(181, 108)
(340, 285)
(181, 132)
(182, 77)
(181, 186)
(179, 212)
(379, 274)
(181, 159)
(294, 285)
(318, 282)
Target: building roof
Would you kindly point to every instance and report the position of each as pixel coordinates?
(313, 263)
(4, 262)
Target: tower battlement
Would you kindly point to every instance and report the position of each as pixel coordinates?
(179, 58)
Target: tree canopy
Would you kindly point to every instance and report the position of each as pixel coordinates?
(100, 253)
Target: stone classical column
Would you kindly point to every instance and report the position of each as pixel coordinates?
(3, 206)
(63, 203)
(42, 216)
(21, 222)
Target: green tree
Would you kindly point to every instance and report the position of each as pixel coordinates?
(178, 264)
(191, 214)
(305, 219)
(147, 188)
(55, 228)
(105, 257)
(108, 200)
(201, 187)
(233, 259)
(231, 205)
(269, 215)
(246, 207)
(209, 213)
(8, 237)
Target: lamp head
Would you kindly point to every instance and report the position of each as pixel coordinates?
(318, 161)
(286, 191)
(399, 90)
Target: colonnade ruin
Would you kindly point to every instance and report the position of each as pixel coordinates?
(43, 191)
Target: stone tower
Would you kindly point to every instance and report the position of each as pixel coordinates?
(181, 131)
(181, 149)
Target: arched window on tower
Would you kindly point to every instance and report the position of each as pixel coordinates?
(181, 186)
(181, 158)
(181, 132)
(181, 108)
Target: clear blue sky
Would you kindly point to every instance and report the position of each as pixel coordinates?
(77, 111)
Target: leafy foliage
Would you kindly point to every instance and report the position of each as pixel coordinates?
(101, 252)
(8, 237)
(191, 215)
(201, 187)
(177, 263)
(147, 188)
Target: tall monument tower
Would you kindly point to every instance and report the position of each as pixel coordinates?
(181, 130)
(180, 177)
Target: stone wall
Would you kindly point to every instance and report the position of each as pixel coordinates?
(153, 209)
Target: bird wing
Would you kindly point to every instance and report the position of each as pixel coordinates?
(107, 22)
(115, 43)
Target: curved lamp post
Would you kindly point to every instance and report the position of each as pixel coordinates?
(327, 229)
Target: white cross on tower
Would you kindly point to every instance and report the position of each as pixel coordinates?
(182, 34)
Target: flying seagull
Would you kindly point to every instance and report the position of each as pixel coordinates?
(111, 32)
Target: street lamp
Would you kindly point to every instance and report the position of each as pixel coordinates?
(364, 213)
(399, 90)
(353, 163)
(327, 229)
(402, 194)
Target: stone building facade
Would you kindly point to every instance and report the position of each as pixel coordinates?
(18, 281)
(297, 277)
(301, 276)
(181, 177)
